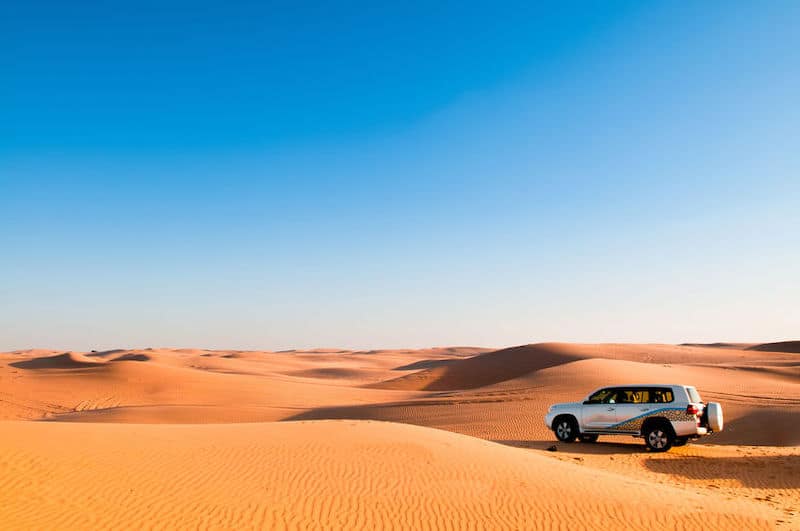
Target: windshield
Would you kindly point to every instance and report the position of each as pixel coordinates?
(694, 396)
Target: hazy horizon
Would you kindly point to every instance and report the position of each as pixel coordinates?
(262, 177)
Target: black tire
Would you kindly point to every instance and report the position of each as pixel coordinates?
(589, 438)
(680, 441)
(658, 436)
(565, 428)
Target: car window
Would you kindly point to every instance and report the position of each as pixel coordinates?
(660, 395)
(694, 396)
(634, 396)
(603, 396)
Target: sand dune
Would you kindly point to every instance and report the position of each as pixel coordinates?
(720, 344)
(138, 444)
(508, 364)
(485, 369)
(781, 346)
(41, 388)
(67, 360)
(323, 475)
(133, 357)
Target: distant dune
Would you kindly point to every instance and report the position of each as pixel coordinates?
(486, 369)
(193, 438)
(67, 360)
(719, 344)
(781, 346)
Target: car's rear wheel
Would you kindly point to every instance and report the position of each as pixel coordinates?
(589, 438)
(566, 429)
(659, 437)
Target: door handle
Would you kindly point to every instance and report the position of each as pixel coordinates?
(612, 409)
(645, 409)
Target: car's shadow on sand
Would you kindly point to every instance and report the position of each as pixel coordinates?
(596, 448)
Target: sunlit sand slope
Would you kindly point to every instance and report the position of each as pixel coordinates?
(325, 475)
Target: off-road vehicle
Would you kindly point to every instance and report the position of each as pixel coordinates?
(665, 415)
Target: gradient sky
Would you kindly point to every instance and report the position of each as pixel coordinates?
(273, 175)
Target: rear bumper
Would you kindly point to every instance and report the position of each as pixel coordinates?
(693, 432)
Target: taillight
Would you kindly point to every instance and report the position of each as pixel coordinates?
(692, 410)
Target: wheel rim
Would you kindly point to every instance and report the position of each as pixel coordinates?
(564, 430)
(657, 439)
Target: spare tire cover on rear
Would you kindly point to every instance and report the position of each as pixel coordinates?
(715, 421)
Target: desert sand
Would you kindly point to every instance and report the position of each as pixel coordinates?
(441, 438)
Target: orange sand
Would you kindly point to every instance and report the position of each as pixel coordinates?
(194, 439)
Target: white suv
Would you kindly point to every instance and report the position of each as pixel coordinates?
(663, 414)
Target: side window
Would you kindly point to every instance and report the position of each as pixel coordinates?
(661, 396)
(633, 396)
(603, 396)
(639, 396)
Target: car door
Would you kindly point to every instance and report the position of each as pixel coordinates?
(633, 405)
(599, 411)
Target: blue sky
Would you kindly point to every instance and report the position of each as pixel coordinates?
(263, 175)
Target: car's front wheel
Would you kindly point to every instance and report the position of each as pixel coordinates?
(566, 429)
(659, 437)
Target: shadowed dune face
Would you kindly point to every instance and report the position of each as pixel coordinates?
(124, 408)
(106, 353)
(335, 373)
(737, 346)
(781, 346)
(425, 364)
(133, 357)
(68, 360)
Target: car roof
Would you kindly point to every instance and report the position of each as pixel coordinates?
(651, 384)
(639, 385)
